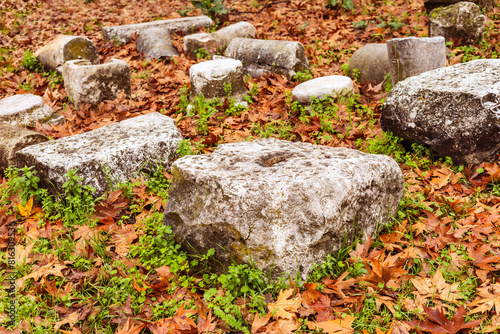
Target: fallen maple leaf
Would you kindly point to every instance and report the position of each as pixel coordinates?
(283, 306)
(311, 294)
(436, 287)
(338, 326)
(437, 322)
(490, 298)
(130, 328)
(26, 209)
(69, 320)
(480, 259)
(51, 268)
(260, 322)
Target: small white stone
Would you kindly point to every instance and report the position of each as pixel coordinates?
(24, 110)
(333, 85)
(209, 77)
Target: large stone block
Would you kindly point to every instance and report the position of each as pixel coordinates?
(411, 56)
(455, 110)
(115, 152)
(217, 41)
(124, 33)
(280, 204)
(64, 48)
(461, 22)
(155, 43)
(211, 78)
(265, 56)
(87, 83)
(371, 62)
(332, 85)
(13, 139)
(24, 110)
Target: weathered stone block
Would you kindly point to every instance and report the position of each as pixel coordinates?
(455, 110)
(65, 48)
(13, 139)
(217, 41)
(332, 85)
(209, 77)
(124, 33)
(411, 56)
(371, 62)
(281, 204)
(155, 43)
(265, 56)
(24, 110)
(462, 22)
(87, 83)
(117, 152)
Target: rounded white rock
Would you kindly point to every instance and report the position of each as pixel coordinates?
(323, 87)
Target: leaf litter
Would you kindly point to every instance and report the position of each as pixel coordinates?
(436, 270)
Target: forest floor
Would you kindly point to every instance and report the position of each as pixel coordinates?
(85, 265)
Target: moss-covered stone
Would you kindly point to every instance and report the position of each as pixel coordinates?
(462, 22)
(65, 48)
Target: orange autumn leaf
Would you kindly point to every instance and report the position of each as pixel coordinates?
(337, 326)
(26, 209)
(284, 307)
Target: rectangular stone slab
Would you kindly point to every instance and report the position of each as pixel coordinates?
(124, 33)
(115, 152)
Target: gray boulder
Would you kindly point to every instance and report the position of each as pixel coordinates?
(13, 139)
(462, 21)
(371, 62)
(266, 56)
(123, 34)
(115, 152)
(411, 56)
(64, 48)
(24, 110)
(332, 85)
(455, 110)
(155, 43)
(280, 204)
(87, 83)
(432, 4)
(210, 77)
(217, 41)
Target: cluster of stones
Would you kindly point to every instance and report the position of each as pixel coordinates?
(280, 204)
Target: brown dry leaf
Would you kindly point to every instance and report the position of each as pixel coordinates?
(437, 322)
(495, 324)
(70, 320)
(130, 328)
(260, 322)
(311, 295)
(338, 326)
(22, 254)
(489, 299)
(284, 307)
(51, 268)
(436, 287)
